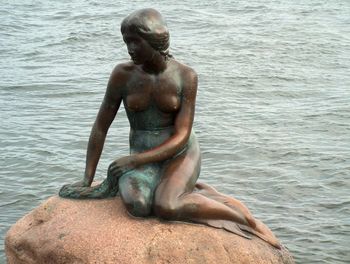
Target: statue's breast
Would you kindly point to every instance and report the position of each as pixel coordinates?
(168, 102)
(162, 93)
(166, 94)
(138, 101)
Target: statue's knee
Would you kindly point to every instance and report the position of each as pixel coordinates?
(165, 209)
(138, 207)
(136, 194)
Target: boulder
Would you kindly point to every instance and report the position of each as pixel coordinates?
(101, 231)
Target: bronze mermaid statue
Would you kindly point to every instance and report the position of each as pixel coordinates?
(159, 177)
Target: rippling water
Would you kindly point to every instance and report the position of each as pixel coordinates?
(273, 109)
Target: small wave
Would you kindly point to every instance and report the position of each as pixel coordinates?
(335, 205)
(9, 203)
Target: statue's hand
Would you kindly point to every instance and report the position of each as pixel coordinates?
(82, 183)
(122, 165)
(71, 190)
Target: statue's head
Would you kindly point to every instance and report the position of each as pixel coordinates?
(149, 24)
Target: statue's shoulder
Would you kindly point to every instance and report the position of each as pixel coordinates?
(121, 75)
(185, 70)
(124, 68)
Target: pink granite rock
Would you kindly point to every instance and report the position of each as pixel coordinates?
(100, 231)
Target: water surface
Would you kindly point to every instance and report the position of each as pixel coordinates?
(272, 117)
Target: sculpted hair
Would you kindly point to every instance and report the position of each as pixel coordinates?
(149, 24)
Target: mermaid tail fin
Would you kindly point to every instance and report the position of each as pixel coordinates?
(223, 224)
(274, 241)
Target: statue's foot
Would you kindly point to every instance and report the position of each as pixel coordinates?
(258, 227)
(253, 226)
(266, 234)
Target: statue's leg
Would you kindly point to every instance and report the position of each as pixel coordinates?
(175, 198)
(257, 227)
(136, 189)
(235, 204)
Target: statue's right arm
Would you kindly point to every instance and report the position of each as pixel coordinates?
(104, 119)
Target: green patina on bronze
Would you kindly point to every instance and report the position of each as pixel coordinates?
(160, 174)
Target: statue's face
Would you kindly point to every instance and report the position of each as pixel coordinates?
(139, 49)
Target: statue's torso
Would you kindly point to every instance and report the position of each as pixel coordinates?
(152, 103)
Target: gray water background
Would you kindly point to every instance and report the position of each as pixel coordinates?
(272, 116)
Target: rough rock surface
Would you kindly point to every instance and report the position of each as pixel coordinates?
(100, 231)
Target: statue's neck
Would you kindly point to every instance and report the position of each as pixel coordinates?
(156, 65)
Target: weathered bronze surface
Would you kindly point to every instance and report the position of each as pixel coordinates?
(160, 175)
